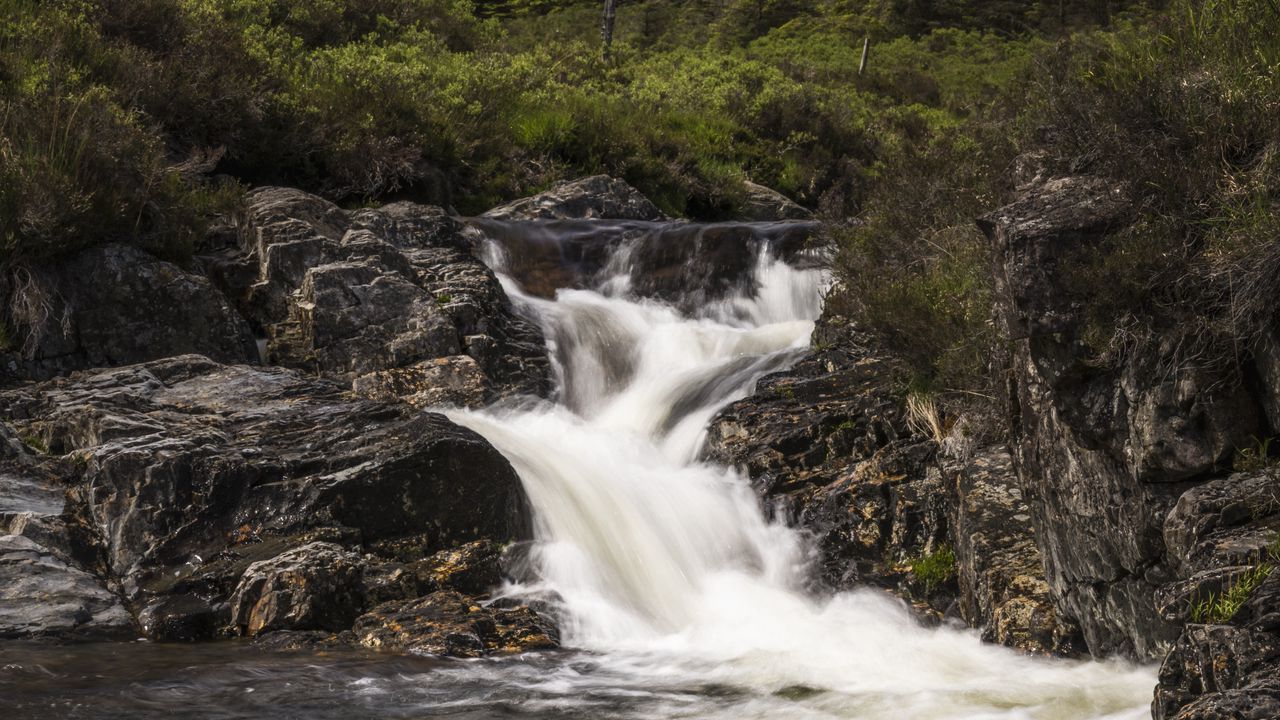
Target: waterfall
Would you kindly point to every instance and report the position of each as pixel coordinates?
(664, 567)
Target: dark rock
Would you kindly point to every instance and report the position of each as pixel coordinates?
(827, 444)
(1001, 575)
(1102, 453)
(473, 569)
(42, 596)
(378, 297)
(44, 590)
(317, 586)
(599, 196)
(764, 204)
(191, 470)
(178, 618)
(116, 305)
(456, 380)
(448, 623)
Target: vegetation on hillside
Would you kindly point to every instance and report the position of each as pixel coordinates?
(140, 120)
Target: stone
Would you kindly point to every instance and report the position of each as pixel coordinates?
(42, 596)
(764, 204)
(378, 294)
(448, 623)
(178, 618)
(597, 197)
(447, 381)
(317, 586)
(189, 470)
(1001, 575)
(116, 305)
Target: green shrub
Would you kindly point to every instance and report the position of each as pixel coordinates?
(934, 569)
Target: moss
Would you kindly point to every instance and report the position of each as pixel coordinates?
(33, 441)
(934, 569)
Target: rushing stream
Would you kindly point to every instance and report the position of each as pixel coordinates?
(677, 597)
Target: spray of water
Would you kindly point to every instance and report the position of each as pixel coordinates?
(665, 567)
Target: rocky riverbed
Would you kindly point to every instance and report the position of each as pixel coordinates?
(245, 448)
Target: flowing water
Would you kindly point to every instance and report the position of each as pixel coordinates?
(678, 597)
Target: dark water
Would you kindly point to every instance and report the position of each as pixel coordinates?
(235, 680)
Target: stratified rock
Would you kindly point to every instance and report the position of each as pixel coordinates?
(116, 305)
(379, 297)
(456, 380)
(1219, 534)
(764, 204)
(317, 586)
(1001, 575)
(1101, 452)
(448, 623)
(42, 596)
(599, 196)
(178, 618)
(827, 441)
(191, 470)
(43, 590)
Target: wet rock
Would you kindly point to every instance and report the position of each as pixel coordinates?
(473, 569)
(827, 445)
(191, 470)
(44, 590)
(599, 196)
(178, 618)
(456, 380)
(42, 596)
(1102, 453)
(379, 294)
(764, 204)
(314, 587)
(116, 305)
(1001, 576)
(448, 623)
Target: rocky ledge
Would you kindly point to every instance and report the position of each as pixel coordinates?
(212, 500)
(830, 445)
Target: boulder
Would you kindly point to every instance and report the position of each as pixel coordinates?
(189, 470)
(43, 596)
(116, 305)
(596, 197)
(763, 204)
(375, 297)
(317, 586)
(448, 623)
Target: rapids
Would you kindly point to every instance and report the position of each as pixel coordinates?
(665, 567)
(678, 597)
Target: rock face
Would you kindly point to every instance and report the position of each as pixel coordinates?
(1151, 542)
(43, 590)
(392, 299)
(317, 586)
(1103, 454)
(247, 497)
(448, 623)
(764, 204)
(115, 305)
(598, 196)
(828, 442)
(1000, 571)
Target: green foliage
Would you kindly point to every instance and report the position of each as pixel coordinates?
(33, 441)
(1217, 609)
(1256, 457)
(931, 570)
(1182, 107)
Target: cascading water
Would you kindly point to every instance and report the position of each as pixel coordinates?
(665, 568)
(678, 598)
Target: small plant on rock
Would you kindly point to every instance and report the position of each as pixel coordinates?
(1254, 458)
(933, 569)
